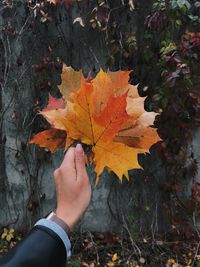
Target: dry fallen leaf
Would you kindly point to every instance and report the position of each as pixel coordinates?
(79, 20)
(60, 1)
(114, 257)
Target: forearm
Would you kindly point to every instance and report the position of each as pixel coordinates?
(59, 230)
(42, 247)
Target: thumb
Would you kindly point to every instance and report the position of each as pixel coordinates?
(80, 161)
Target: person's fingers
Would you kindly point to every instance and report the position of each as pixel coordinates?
(80, 161)
(69, 159)
(56, 173)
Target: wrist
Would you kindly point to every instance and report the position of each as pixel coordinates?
(69, 219)
(54, 218)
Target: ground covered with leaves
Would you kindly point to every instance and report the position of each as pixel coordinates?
(108, 250)
(97, 249)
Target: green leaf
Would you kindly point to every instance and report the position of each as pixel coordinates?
(193, 18)
(197, 4)
(174, 4)
(74, 264)
(178, 22)
(182, 3)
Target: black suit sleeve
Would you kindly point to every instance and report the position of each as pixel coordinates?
(41, 248)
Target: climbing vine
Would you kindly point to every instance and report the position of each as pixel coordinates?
(170, 63)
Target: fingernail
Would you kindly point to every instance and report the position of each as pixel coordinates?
(79, 148)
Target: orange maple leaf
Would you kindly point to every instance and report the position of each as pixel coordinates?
(52, 139)
(54, 103)
(113, 84)
(99, 114)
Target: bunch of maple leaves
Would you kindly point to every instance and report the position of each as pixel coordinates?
(106, 114)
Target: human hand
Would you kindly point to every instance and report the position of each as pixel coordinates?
(73, 187)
